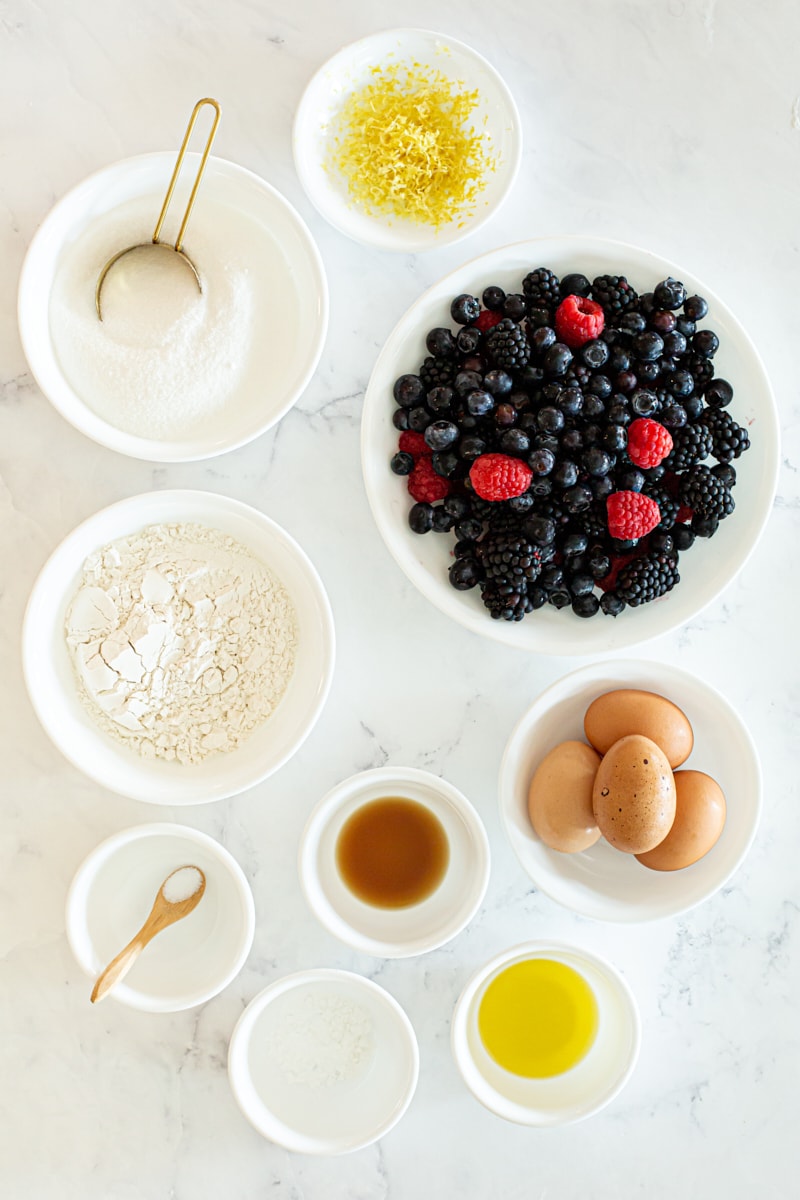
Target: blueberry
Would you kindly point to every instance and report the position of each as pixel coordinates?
(402, 463)
(468, 339)
(663, 321)
(673, 416)
(597, 462)
(546, 441)
(456, 506)
(441, 343)
(541, 485)
(570, 401)
(505, 416)
(614, 438)
(538, 317)
(575, 284)
(602, 487)
(516, 442)
(541, 530)
(582, 585)
(543, 338)
(515, 307)
(599, 565)
(661, 542)
(647, 372)
(400, 419)
(669, 293)
(686, 326)
(644, 402)
(442, 521)
(560, 598)
(420, 518)
(681, 383)
(521, 504)
(493, 298)
(592, 435)
(704, 526)
(537, 596)
(565, 474)
(467, 381)
(630, 481)
(479, 402)
(541, 462)
(471, 448)
(705, 342)
(648, 346)
(557, 359)
(440, 398)
(419, 419)
(725, 473)
(446, 464)
(611, 604)
(498, 382)
(675, 343)
(693, 406)
(594, 354)
(683, 537)
(695, 308)
(441, 434)
(464, 574)
(577, 499)
(632, 322)
(464, 309)
(571, 440)
(618, 414)
(593, 406)
(573, 544)
(408, 391)
(600, 386)
(550, 420)
(469, 529)
(625, 381)
(718, 393)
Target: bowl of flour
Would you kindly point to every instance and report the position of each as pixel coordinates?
(178, 647)
(173, 374)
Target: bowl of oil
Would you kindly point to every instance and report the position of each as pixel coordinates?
(545, 1034)
(394, 861)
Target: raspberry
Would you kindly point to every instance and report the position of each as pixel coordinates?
(631, 515)
(578, 320)
(648, 442)
(425, 485)
(414, 444)
(499, 477)
(487, 320)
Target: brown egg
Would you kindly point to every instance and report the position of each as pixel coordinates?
(699, 820)
(625, 711)
(560, 798)
(633, 798)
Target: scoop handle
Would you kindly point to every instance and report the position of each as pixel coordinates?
(179, 163)
(118, 968)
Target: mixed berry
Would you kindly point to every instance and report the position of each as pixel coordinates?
(573, 438)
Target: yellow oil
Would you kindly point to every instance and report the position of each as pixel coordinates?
(538, 1018)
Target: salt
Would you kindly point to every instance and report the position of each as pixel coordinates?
(182, 884)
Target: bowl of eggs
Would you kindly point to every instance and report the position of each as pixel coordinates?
(630, 791)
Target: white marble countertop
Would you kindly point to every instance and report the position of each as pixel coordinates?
(673, 126)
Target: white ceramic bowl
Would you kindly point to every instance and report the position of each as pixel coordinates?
(284, 253)
(603, 882)
(52, 685)
(585, 1088)
(350, 69)
(275, 1064)
(112, 894)
(402, 932)
(705, 570)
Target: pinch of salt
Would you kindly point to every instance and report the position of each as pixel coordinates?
(181, 884)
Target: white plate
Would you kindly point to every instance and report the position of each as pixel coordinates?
(53, 689)
(321, 1115)
(112, 893)
(395, 933)
(281, 249)
(350, 69)
(705, 570)
(578, 1093)
(603, 882)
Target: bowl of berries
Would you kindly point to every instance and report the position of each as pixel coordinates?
(595, 438)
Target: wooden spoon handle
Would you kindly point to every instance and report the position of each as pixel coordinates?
(118, 968)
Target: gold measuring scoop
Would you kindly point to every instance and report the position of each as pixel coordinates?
(179, 255)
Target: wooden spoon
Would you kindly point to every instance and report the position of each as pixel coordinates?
(164, 912)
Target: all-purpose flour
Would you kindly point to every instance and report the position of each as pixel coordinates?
(182, 640)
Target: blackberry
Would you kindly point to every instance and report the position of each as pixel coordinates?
(669, 506)
(541, 287)
(647, 578)
(437, 372)
(690, 445)
(614, 293)
(508, 559)
(507, 345)
(705, 494)
(729, 439)
(506, 604)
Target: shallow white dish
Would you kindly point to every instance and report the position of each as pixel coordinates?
(578, 1093)
(111, 896)
(350, 69)
(322, 1116)
(295, 269)
(53, 688)
(603, 882)
(403, 932)
(705, 570)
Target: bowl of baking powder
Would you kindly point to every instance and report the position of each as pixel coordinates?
(178, 647)
(172, 374)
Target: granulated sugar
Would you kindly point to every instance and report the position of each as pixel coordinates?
(167, 361)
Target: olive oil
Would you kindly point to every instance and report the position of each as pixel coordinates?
(538, 1018)
(392, 852)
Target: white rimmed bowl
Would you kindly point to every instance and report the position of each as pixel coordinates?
(351, 68)
(578, 1093)
(705, 570)
(286, 254)
(52, 685)
(111, 896)
(602, 882)
(280, 1095)
(404, 932)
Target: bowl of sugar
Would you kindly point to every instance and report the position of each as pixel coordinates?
(191, 961)
(173, 374)
(323, 1062)
(178, 647)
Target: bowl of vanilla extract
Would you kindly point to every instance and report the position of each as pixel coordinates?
(394, 861)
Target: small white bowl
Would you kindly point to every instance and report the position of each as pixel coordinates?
(52, 684)
(402, 932)
(603, 882)
(286, 255)
(112, 894)
(350, 69)
(578, 1093)
(705, 570)
(280, 1088)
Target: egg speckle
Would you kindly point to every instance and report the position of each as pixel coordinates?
(633, 798)
(700, 812)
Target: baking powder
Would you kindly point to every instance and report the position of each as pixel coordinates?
(320, 1038)
(183, 641)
